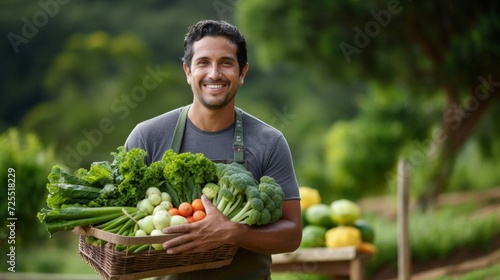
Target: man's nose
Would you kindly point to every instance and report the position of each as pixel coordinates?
(214, 72)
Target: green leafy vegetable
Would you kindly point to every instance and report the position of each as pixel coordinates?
(65, 188)
(185, 173)
(128, 169)
(99, 173)
(66, 194)
(153, 176)
(119, 183)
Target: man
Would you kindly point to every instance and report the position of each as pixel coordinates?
(215, 63)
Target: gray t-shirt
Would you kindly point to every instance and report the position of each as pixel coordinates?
(266, 153)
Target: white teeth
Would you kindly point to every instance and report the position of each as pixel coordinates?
(214, 86)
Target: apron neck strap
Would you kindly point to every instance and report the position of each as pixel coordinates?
(176, 143)
(238, 144)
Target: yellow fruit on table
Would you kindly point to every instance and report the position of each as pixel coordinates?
(308, 197)
(342, 236)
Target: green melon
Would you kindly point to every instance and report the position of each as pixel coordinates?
(367, 231)
(319, 215)
(313, 236)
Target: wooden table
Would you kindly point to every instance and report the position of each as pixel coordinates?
(344, 261)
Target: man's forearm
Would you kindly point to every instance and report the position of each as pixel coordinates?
(281, 236)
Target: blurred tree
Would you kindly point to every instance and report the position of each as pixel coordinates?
(24, 51)
(439, 47)
(359, 152)
(101, 86)
(36, 31)
(302, 109)
(25, 164)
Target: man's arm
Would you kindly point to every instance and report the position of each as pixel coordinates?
(215, 230)
(282, 236)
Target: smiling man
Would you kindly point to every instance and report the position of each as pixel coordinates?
(215, 63)
(214, 73)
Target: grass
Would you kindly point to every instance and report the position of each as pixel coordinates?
(491, 272)
(434, 234)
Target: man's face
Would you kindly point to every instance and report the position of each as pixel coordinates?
(214, 74)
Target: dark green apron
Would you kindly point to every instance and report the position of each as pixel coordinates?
(238, 145)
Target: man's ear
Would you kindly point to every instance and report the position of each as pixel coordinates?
(243, 74)
(188, 72)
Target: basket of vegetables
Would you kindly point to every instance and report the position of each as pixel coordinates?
(115, 259)
(119, 209)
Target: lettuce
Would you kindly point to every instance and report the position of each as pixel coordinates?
(103, 184)
(99, 173)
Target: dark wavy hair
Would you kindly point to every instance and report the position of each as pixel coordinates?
(215, 28)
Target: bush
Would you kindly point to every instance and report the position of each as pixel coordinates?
(31, 162)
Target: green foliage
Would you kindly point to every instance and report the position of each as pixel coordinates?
(360, 153)
(110, 77)
(473, 233)
(331, 39)
(357, 154)
(473, 170)
(56, 256)
(31, 163)
(446, 52)
(161, 25)
(435, 234)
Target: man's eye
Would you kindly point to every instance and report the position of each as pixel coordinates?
(202, 62)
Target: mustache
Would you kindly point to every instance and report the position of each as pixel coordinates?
(212, 81)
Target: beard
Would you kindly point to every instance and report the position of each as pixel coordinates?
(215, 103)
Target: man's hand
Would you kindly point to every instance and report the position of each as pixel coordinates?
(216, 230)
(213, 231)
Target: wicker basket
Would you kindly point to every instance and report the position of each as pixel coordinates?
(111, 264)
